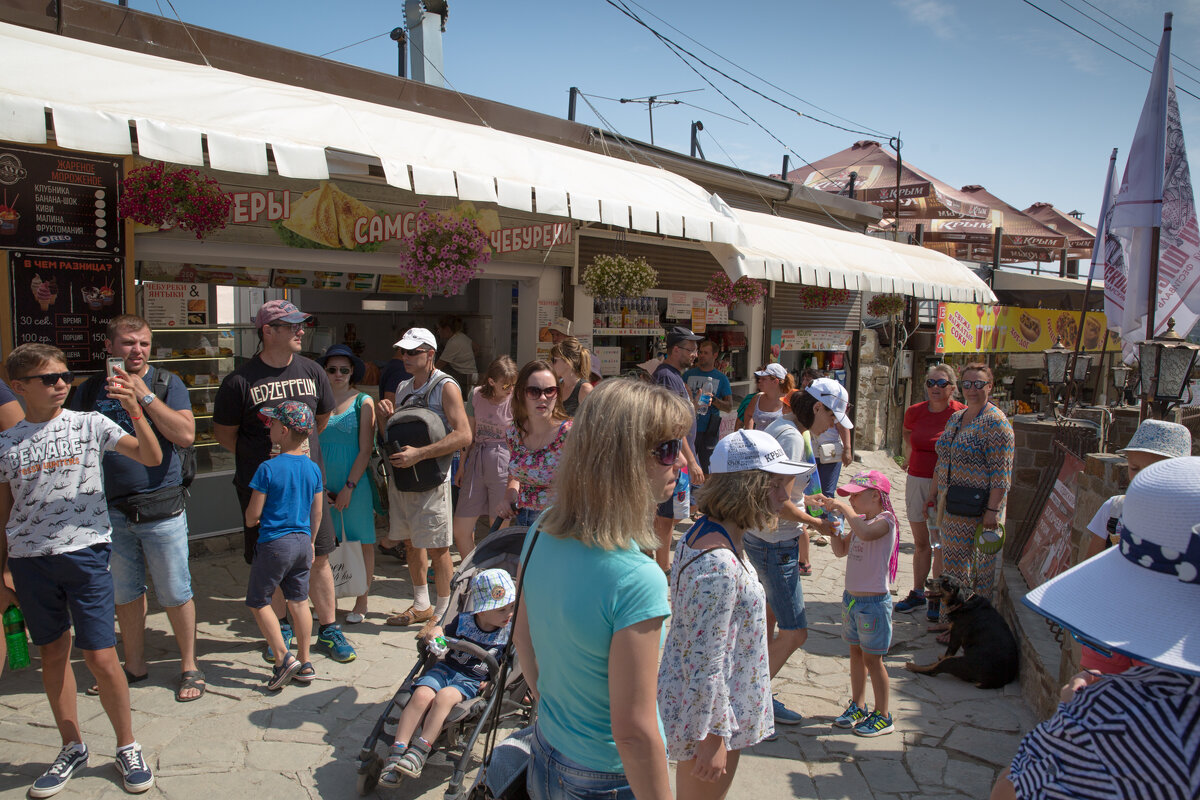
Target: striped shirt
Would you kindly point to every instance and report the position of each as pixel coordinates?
(1133, 735)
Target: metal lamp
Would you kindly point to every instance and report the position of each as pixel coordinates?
(1056, 358)
(1120, 374)
(1083, 363)
(1167, 362)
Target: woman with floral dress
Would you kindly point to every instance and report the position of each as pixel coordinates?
(714, 681)
(535, 443)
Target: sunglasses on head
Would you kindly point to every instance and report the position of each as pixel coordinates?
(537, 392)
(973, 384)
(51, 378)
(417, 351)
(941, 383)
(339, 370)
(667, 452)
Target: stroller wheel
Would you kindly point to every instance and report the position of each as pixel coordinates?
(368, 776)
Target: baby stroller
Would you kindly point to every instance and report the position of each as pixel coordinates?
(501, 549)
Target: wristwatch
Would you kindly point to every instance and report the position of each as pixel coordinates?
(147, 400)
(350, 484)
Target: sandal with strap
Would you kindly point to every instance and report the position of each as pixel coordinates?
(409, 616)
(130, 678)
(804, 568)
(413, 760)
(190, 679)
(284, 673)
(306, 673)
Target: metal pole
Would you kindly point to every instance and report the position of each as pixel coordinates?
(785, 167)
(1062, 263)
(1151, 308)
(997, 243)
(571, 103)
(650, 111)
(697, 126)
(399, 36)
(895, 145)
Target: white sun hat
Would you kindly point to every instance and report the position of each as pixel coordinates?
(1156, 570)
(750, 449)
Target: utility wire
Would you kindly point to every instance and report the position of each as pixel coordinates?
(1178, 71)
(1135, 32)
(356, 44)
(185, 30)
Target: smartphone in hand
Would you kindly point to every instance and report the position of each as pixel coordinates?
(112, 364)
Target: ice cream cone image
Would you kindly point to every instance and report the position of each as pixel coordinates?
(46, 292)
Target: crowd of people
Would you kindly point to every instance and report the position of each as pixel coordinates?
(599, 473)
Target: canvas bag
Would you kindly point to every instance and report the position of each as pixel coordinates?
(349, 570)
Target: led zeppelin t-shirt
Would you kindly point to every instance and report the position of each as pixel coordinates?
(53, 469)
(256, 385)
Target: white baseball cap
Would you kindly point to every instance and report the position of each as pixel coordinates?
(416, 337)
(833, 396)
(562, 325)
(774, 369)
(752, 449)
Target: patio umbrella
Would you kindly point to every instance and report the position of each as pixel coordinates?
(1080, 235)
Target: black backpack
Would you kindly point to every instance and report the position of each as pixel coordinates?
(89, 390)
(416, 425)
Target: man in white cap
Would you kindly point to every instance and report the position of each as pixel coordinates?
(423, 519)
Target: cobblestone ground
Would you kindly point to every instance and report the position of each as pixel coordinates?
(951, 739)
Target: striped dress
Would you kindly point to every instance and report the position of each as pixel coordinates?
(1129, 736)
(978, 454)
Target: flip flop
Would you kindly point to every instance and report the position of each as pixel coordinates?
(130, 678)
(190, 679)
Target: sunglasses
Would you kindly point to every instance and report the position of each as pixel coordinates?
(667, 452)
(973, 384)
(536, 393)
(940, 383)
(416, 352)
(51, 378)
(296, 327)
(339, 370)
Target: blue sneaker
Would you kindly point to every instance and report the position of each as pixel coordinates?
(70, 758)
(289, 639)
(874, 725)
(851, 716)
(784, 715)
(332, 642)
(915, 600)
(934, 612)
(135, 772)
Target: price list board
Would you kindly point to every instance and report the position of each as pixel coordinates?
(52, 200)
(66, 301)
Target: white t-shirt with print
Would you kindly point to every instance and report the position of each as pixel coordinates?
(53, 470)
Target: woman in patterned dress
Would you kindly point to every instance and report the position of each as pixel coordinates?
(714, 682)
(976, 450)
(535, 443)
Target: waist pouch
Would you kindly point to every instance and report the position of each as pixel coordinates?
(966, 501)
(152, 506)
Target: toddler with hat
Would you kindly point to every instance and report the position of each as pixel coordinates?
(486, 622)
(866, 541)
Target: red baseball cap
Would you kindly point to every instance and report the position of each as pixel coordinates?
(871, 479)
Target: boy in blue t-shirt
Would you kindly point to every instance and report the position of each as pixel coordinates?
(285, 503)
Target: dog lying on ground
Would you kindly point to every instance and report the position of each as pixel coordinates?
(990, 655)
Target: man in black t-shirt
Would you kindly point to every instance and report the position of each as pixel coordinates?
(277, 373)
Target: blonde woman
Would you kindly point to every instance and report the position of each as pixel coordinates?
(714, 683)
(591, 654)
(571, 363)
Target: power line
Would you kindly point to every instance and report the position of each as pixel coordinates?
(1135, 32)
(356, 44)
(1178, 71)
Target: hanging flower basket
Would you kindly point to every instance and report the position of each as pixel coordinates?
(744, 290)
(749, 291)
(618, 276)
(165, 198)
(886, 305)
(445, 254)
(822, 297)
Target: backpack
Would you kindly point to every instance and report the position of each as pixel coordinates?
(89, 390)
(417, 425)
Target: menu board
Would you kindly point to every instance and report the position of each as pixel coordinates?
(303, 279)
(66, 301)
(203, 273)
(175, 305)
(396, 284)
(59, 201)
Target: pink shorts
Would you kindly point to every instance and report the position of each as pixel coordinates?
(484, 480)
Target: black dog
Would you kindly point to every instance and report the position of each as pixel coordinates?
(990, 657)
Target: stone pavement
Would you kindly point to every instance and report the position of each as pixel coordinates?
(951, 739)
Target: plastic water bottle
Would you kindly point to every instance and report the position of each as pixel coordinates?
(438, 647)
(935, 531)
(14, 638)
(839, 522)
(706, 397)
(682, 497)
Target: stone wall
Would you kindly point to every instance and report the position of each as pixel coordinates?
(871, 413)
(1041, 653)
(1033, 440)
(1103, 476)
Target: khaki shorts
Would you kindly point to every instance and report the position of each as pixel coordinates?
(916, 496)
(423, 517)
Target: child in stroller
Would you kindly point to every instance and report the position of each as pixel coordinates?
(487, 622)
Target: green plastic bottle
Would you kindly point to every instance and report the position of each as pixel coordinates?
(14, 638)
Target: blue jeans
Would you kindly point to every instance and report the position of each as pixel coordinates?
(525, 517)
(553, 776)
(829, 477)
(161, 545)
(778, 568)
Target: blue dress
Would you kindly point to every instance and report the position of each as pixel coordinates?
(339, 444)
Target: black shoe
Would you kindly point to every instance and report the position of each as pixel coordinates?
(395, 551)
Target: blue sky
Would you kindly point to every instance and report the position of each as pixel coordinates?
(993, 93)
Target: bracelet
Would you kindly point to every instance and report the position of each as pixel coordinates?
(995, 510)
(135, 419)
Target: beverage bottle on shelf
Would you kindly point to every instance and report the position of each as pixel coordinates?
(598, 318)
(14, 638)
(626, 313)
(706, 396)
(614, 314)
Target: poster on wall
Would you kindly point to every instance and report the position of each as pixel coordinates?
(175, 305)
(66, 301)
(1048, 551)
(259, 277)
(785, 340)
(60, 201)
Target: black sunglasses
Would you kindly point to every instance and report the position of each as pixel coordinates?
(417, 351)
(51, 378)
(973, 384)
(339, 370)
(296, 327)
(941, 383)
(536, 393)
(668, 451)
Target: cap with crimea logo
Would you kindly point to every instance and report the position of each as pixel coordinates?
(751, 449)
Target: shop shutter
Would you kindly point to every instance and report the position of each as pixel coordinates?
(787, 311)
(680, 269)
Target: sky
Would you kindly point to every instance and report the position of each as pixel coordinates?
(992, 93)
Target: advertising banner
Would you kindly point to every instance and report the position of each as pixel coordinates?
(1048, 551)
(175, 305)
(784, 340)
(970, 328)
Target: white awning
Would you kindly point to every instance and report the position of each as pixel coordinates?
(787, 250)
(1011, 280)
(94, 92)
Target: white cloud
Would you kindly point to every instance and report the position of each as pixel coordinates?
(937, 16)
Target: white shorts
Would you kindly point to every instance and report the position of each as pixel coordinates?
(423, 517)
(916, 497)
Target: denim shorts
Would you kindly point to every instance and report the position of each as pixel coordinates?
(778, 568)
(56, 590)
(442, 676)
(161, 545)
(285, 563)
(553, 776)
(867, 622)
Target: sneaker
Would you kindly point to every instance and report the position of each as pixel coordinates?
(874, 725)
(914, 601)
(289, 639)
(934, 612)
(784, 715)
(134, 769)
(851, 716)
(332, 642)
(71, 757)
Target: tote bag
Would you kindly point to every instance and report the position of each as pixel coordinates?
(349, 570)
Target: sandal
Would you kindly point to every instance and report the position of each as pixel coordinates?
(282, 674)
(804, 568)
(409, 616)
(190, 679)
(943, 638)
(819, 540)
(130, 678)
(306, 673)
(413, 760)
(938, 628)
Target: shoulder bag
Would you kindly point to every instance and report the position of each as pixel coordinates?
(963, 501)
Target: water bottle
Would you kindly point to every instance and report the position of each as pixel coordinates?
(14, 638)
(839, 522)
(706, 396)
(438, 647)
(682, 497)
(935, 531)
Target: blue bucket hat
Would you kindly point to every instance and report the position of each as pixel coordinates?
(360, 368)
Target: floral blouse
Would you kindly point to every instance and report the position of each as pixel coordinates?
(535, 469)
(714, 676)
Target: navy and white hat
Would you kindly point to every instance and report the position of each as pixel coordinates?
(1156, 570)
